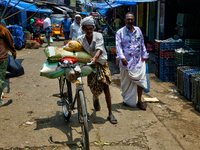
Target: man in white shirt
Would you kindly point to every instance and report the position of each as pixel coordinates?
(99, 81)
(75, 29)
(47, 28)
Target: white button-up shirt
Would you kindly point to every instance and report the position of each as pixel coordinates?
(96, 44)
(75, 31)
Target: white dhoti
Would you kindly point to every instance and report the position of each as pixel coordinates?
(129, 86)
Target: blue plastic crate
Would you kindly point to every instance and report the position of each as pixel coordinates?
(167, 70)
(166, 77)
(187, 82)
(171, 45)
(157, 59)
(166, 62)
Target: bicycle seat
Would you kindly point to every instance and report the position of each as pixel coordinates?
(70, 60)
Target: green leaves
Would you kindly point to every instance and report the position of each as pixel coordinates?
(101, 143)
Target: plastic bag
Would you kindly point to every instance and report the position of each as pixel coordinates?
(73, 46)
(51, 39)
(148, 81)
(14, 66)
(70, 75)
(39, 23)
(51, 70)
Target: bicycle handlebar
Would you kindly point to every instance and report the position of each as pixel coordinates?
(67, 64)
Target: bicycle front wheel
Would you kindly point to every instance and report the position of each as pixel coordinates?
(66, 95)
(84, 120)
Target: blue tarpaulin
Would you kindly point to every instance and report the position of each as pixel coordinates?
(104, 5)
(103, 12)
(125, 2)
(132, 1)
(23, 5)
(84, 13)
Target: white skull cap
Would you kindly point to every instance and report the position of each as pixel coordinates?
(88, 21)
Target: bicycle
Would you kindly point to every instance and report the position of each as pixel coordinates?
(68, 104)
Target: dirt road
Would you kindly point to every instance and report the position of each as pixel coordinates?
(33, 120)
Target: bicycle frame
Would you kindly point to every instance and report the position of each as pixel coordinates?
(79, 87)
(69, 102)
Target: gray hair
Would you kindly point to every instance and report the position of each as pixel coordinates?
(129, 14)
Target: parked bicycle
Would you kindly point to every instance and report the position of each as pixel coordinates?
(68, 103)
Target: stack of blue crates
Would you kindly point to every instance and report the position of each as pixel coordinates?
(187, 82)
(167, 60)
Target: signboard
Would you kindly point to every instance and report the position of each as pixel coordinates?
(72, 3)
(61, 1)
(162, 21)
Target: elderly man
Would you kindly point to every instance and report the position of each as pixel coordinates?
(98, 82)
(75, 29)
(132, 53)
(65, 24)
(6, 41)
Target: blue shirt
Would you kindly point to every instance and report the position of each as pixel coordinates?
(66, 24)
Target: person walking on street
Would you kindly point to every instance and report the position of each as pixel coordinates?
(99, 81)
(132, 54)
(117, 22)
(47, 28)
(6, 42)
(75, 29)
(65, 24)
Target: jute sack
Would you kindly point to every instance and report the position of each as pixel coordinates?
(55, 54)
(32, 44)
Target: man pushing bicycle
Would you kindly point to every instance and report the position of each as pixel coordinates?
(99, 81)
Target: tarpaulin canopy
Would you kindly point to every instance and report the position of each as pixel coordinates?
(60, 9)
(67, 9)
(125, 2)
(132, 1)
(103, 12)
(21, 5)
(104, 5)
(84, 13)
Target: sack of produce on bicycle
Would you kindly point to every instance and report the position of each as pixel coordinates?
(73, 46)
(55, 54)
(52, 71)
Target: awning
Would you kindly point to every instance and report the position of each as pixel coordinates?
(135, 1)
(104, 5)
(103, 12)
(67, 9)
(23, 5)
(125, 3)
(84, 13)
(59, 9)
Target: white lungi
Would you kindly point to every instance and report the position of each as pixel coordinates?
(129, 86)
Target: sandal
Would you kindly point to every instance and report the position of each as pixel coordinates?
(96, 105)
(141, 105)
(112, 119)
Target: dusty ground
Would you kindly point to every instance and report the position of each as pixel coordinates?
(171, 124)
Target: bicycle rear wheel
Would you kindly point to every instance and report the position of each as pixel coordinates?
(66, 96)
(84, 120)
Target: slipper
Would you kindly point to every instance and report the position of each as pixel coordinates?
(112, 119)
(96, 105)
(141, 106)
